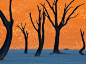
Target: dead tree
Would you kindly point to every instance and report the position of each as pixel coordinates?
(25, 36)
(63, 21)
(8, 24)
(41, 40)
(82, 35)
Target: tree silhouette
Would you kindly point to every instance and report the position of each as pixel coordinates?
(82, 35)
(63, 21)
(8, 24)
(41, 40)
(25, 36)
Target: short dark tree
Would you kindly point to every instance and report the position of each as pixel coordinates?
(8, 24)
(41, 37)
(63, 22)
(25, 36)
(82, 35)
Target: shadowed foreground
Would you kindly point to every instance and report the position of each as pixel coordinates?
(18, 57)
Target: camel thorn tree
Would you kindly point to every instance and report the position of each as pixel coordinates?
(8, 24)
(82, 35)
(41, 37)
(25, 36)
(63, 22)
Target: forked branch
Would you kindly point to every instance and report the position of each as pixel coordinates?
(32, 21)
(69, 17)
(69, 4)
(24, 25)
(48, 15)
(75, 10)
(68, 9)
(19, 27)
(22, 28)
(50, 6)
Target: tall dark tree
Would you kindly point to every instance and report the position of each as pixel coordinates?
(41, 37)
(25, 36)
(63, 21)
(8, 24)
(82, 35)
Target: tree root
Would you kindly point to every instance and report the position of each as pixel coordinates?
(81, 53)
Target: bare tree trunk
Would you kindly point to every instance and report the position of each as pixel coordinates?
(26, 45)
(56, 50)
(25, 36)
(38, 52)
(82, 35)
(4, 49)
(39, 49)
(41, 40)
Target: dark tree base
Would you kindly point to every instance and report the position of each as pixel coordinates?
(25, 52)
(37, 54)
(1, 59)
(57, 52)
(81, 53)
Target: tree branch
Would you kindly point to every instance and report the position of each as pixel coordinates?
(72, 13)
(38, 7)
(48, 16)
(69, 4)
(63, 18)
(68, 9)
(39, 26)
(19, 27)
(56, 1)
(56, 20)
(37, 22)
(11, 19)
(23, 31)
(32, 22)
(65, 12)
(3, 18)
(50, 6)
(75, 9)
(82, 33)
(74, 16)
(26, 34)
(24, 25)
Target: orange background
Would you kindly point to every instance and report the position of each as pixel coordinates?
(69, 35)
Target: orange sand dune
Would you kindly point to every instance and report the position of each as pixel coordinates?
(69, 36)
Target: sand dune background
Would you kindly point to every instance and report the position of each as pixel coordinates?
(69, 35)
